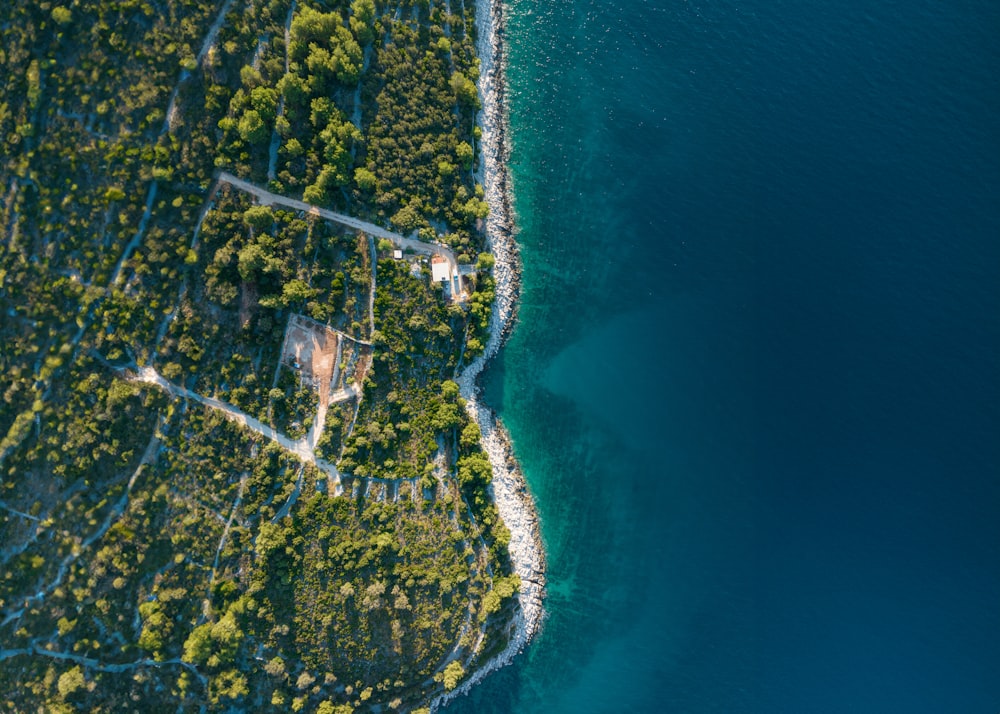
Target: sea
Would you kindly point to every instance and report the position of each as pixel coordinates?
(755, 380)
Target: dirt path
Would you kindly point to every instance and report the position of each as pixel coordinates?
(267, 198)
(16, 512)
(148, 456)
(371, 291)
(137, 238)
(292, 498)
(96, 665)
(206, 603)
(272, 153)
(213, 32)
(299, 448)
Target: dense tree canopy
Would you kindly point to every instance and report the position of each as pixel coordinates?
(159, 553)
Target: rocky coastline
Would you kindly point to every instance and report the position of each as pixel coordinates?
(510, 491)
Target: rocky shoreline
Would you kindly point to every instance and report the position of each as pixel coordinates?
(510, 491)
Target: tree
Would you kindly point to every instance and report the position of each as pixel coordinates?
(296, 291)
(362, 19)
(447, 416)
(408, 217)
(338, 138)
(452, 674)
(311, 25)
(470, 435)
(449, 390)
(321, 111)
(275, 667)
(230, 684)
(251, 127)
(70, 681)
(113, 194)
(252, 259)
(465, 90)
(340, 58)
(505, 587)
(464, 153)
(328, 707)
(474, 469)
(485, 262)
(294, 89)
(475, 208)
(260, 218)
(271, 538)
(250, 76)
(198, 645)
(491, 604)
(364, 178)
(317, 192)
(265, 101)
(227, 636)
(347, 54)
(214, 643)
(154, 622)
(62, 15)
(445, 168)
(364, 10)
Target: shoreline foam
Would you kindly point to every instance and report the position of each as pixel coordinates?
(510, 491)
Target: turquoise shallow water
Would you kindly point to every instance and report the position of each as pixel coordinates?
(755, 381)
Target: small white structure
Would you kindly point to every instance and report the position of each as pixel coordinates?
(440, 270)
(397, 254)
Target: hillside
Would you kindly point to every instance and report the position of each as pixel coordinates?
(235, 471)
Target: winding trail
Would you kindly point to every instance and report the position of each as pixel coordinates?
(213, 32)
(266, 198)
(292, 498)
(371, 291)
(210, 38)
(98, 666)
(300, 448)
(137, 238)
(16, 512)
(152, 449)
(206, 606)
(272, 152)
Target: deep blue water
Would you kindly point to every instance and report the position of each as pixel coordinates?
(756, 381)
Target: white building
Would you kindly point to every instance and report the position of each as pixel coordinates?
(440, 270)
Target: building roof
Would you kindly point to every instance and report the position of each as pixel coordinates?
(440, 270)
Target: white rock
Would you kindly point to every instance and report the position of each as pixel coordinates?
(510, 492)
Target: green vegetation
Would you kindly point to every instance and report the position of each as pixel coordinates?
(158, 555)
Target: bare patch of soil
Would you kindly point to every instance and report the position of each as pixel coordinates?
(310, 349)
